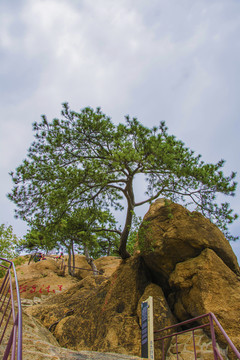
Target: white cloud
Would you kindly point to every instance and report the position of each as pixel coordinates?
(161, 60)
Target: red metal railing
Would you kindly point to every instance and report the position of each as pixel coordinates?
(212, 320)
(10, 314)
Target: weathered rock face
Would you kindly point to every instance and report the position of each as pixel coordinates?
(205, 284)
(39, 344)
(53, 309)
(42, 279)
(171, 234)
(183, 257)
(81, 262)
(45, 278)
(107, 264)
(102, 314)
(162, 315)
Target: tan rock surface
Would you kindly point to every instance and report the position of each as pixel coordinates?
(39, 344)
(107, 264)
(172, 234)
(55, 308)
(162, 315)
(81, 263)
(181, 251)
(101, 317)
(42, 278)
(205, 284)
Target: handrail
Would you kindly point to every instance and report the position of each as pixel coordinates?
(212, 318)
(234, 349)
(7, 309)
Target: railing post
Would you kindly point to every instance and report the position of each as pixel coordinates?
(212, 320)
(162, 349)
(176, 345)
(214, 344)
(147, 338)
(194, 345)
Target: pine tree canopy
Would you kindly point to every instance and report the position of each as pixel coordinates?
(84, 160)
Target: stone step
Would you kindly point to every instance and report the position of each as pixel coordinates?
(65, 354)
(36, 355)
(37, 349)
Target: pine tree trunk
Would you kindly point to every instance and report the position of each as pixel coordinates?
(69, 261)
(128, 223)
(109, 247)
(124, 236)
(73, 258)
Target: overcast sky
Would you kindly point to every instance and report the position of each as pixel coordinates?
(174, 60)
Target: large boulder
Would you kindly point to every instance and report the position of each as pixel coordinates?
(170, 234)
(206, 284)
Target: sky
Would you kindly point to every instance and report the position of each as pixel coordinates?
(174, 60)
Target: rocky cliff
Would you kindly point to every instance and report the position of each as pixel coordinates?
(183, 261)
